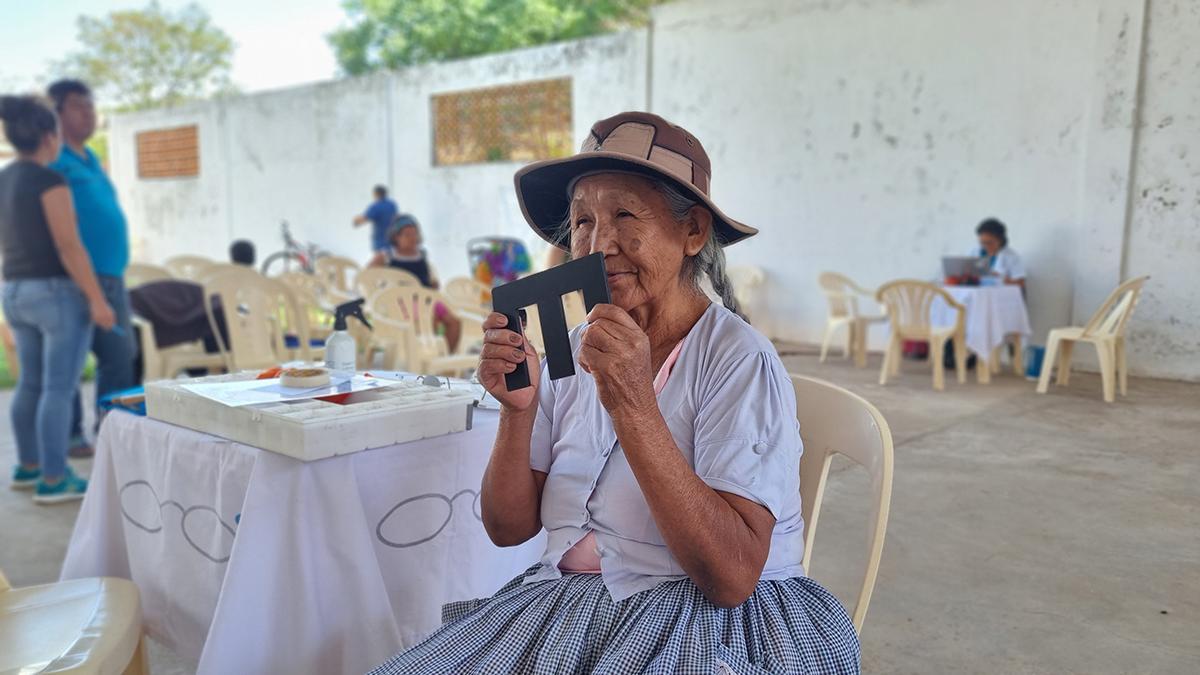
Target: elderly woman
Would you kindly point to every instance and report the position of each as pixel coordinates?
(666, 472)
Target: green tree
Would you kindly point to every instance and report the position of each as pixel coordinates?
(392, 33)
(151, 57)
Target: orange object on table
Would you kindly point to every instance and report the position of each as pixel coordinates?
(269, 373)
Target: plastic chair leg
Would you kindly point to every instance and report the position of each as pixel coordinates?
(1064, 362)
(1018, 359)
(1122, 367)
(829, 328)
(960, 358)
(889, 355)
(1048, 364)
(939, 368)
(1108, 369)
(860, 343)
(138, 665)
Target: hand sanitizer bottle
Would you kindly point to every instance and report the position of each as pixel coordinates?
(340, 350)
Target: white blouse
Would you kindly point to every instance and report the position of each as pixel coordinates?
(730, 408)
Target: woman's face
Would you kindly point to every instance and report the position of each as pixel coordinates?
(989, 242)
(644, 247)
(407, 240)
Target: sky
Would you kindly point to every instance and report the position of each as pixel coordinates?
(277, 44)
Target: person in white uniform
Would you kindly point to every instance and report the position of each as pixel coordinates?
(1003, 262)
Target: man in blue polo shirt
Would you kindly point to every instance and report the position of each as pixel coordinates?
(380, 214)
(105, 236)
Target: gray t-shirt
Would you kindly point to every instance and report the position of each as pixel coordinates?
(25, 242)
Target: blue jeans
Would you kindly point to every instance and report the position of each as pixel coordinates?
(52, 327)
(114, 352)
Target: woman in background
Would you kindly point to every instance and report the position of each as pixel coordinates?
(1003, 262)
(404, 252)
(51, 299)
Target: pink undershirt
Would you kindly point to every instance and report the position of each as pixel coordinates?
(584, 557)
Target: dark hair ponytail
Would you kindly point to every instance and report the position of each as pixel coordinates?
(26, 122)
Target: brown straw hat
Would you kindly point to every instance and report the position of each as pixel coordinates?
(631, 142)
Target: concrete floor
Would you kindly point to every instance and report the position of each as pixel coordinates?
(1028, 534)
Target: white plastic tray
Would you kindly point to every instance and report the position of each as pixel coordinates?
(311, 429)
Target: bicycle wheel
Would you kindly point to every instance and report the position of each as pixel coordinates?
(280, 262)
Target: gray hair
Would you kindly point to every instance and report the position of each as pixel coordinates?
(709, 261)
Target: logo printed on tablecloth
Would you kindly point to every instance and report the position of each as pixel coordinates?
(186, 513)
(418, 538)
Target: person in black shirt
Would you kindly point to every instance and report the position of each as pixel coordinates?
(404, 252)
(51, 299)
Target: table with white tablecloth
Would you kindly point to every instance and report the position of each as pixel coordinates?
(253, 562)
(993, 313)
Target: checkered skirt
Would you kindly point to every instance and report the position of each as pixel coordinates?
(572, 625)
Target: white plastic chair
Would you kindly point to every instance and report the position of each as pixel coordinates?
(404, 316)
(137, 274)
(1106, 331)
(258, 313)
(468, 294)
(338, 274)
(374, 279)
(74, 626)
(190, 267)
(842, 294)
(908, 302)
(836, 421)
(747, 280)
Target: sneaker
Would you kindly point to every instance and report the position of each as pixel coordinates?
(25, 479)
(69, 488)
(81, 451)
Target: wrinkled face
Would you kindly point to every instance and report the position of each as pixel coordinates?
(989, 243)
(407, 241)
(78, 117)
(644, 247)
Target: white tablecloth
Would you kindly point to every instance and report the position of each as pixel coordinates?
(252, 562)
(992, 313)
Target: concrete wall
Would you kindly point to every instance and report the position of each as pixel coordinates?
(310, 155)
(867, 137)
(1164, 228)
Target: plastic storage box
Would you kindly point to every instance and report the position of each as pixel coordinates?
(312, 429)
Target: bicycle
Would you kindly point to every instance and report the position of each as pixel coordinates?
(295, 256)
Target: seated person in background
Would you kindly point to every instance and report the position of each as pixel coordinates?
(175, 308)
(1002, 260)
(404, 252)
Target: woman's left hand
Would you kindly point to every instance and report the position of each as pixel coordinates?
(617, 354)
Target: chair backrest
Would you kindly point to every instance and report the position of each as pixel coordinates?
(338, 273)
(836, 421)
(908, 302)
(258, 313)
(839, 292)
(466, 292)
(190, 267)
(310, 290)
(374, 279)
(1113, 316)
(137, 274)
(746, 280)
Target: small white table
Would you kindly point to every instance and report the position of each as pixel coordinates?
(254, 562)
(993, 313)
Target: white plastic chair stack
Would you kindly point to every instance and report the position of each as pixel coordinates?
(842, 295)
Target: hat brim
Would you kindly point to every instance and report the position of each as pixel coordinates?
(542, 193)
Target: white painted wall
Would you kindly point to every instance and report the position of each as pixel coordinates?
(311, 155)
(866, 137)
(1164, 230)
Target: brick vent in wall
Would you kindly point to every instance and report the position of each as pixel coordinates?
(169, 153)
(520, 122)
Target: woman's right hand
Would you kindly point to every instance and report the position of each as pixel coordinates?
(102, 314)
(502, 351)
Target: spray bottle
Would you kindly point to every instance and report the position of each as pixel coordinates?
(340, 350)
